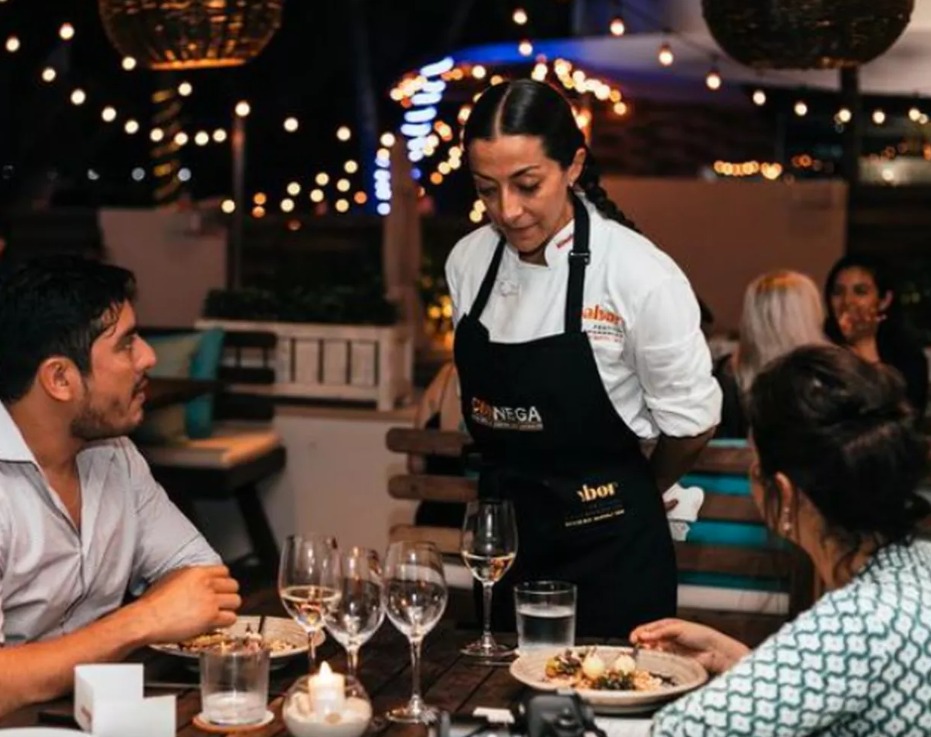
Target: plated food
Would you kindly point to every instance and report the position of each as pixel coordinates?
(611, 679)
(589, 670)
(283, 638)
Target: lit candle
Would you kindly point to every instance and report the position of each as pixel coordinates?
(327, 691)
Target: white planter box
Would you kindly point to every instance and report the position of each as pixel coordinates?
(364, 363)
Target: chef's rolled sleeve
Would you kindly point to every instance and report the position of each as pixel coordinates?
(673, 362)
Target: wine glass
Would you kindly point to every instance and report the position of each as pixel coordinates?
(358, 609)
(415, 598)
(488, 546)
(306, 582)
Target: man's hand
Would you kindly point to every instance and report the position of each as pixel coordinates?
(187, 603)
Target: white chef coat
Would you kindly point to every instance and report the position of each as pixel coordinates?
(639, 312)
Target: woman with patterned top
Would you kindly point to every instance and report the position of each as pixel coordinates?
(837, 465)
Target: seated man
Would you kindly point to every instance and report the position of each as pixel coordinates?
(81, 518)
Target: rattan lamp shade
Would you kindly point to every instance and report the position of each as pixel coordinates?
(806, 34)
(190, 34)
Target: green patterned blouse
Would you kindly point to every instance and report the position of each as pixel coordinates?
(857, 663)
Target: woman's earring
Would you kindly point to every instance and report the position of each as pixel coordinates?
(786, 524)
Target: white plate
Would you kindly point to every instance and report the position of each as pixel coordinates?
(273, 628)
(685, 673)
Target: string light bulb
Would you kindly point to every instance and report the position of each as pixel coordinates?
(156, 135)
(665, 55)
(108, 114)
(181, 138)
(294, 189)
(48, 75)
(78, 97)
(66, 32)
(343, 133)
(351, 167)
(219, 135)
(128, 63)
(12, 44)
(879, 116)
(914, 114)
(519, 16)
(759, 97)
(844, 115)
(243, 109)
(801, 108)
(202, 138)
(617, 26)
(525, 48)
(228, 206)
(713, 79)
(291, 124)
(387, 140)
(185, 89)
(131, 127)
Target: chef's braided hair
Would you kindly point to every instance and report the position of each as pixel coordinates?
(525, 107)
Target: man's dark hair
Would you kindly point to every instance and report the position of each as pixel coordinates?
(55, 306)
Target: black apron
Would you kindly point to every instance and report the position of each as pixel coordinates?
(587, 506)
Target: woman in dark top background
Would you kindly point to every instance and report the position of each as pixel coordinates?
(864, 315)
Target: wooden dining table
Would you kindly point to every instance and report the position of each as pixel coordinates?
(450, 681)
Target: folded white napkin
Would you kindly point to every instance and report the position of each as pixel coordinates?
(689, 501)
(624, 726)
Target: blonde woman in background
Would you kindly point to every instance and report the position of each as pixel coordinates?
(782, 310)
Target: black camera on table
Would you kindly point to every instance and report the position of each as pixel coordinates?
(556, 714)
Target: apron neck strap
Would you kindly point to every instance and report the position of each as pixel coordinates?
(578, 260)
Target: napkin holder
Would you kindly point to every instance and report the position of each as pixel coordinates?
(109, 701)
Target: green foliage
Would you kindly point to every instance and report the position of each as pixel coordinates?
(336, 304)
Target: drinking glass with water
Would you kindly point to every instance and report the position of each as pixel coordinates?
(545, 615)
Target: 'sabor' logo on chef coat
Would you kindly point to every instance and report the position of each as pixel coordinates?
(506, 418)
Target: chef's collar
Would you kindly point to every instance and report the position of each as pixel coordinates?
(557, 249)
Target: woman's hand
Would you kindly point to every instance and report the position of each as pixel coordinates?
(858, 323)
(715, 651)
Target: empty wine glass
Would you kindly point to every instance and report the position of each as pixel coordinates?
(415, 594)
(358, 609)
(488, 546)
(307, 581)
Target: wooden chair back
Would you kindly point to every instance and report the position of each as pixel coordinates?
(777, 561)
(429, 487)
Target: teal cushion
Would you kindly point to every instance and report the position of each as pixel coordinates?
(175, 354)
(205, 365)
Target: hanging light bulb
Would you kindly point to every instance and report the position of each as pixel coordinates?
(844, 115)
(801, 108)
(879, 116)
(520, 16)
(759, 98)
(914, 114)
(617, 27)
(665, 55)
(713, 79)
(525, 48)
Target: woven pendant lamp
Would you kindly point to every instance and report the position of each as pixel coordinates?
(190, 34)
(806, 34)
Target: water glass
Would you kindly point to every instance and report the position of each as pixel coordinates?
(234, 685)
(545, 615)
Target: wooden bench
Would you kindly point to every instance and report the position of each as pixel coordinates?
(243, 451)
(778, 561)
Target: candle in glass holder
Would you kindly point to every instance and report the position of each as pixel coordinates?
(327, 691)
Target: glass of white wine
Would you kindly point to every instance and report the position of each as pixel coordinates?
(488, 546)
(415, 597)
(358, 609)
(307, 579)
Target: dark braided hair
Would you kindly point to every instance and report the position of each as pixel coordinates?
(525, 107)
(840, 429)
